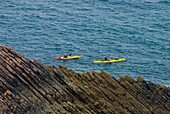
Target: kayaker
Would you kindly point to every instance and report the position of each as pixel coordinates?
(106, 58)
(65, 55)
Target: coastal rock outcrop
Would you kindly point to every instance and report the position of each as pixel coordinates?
(29, 87)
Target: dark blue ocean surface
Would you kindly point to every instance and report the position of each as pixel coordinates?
(138, 30)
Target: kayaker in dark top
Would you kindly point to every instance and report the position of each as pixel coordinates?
(106, 58)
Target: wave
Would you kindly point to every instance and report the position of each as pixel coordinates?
(158, 1)
(164, 2)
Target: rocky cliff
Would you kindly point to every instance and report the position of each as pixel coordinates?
(29, 87)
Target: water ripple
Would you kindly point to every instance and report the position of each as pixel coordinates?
(136, 30)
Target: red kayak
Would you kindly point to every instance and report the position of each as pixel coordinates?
(68, 58)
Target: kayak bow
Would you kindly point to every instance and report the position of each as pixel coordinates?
(109, 61)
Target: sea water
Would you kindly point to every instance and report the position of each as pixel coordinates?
(138, 30)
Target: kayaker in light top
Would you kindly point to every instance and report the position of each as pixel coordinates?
(65, 55)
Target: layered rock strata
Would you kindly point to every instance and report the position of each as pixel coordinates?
(29, 87)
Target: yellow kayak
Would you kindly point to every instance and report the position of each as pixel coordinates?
(109, 61)
(68, 58)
